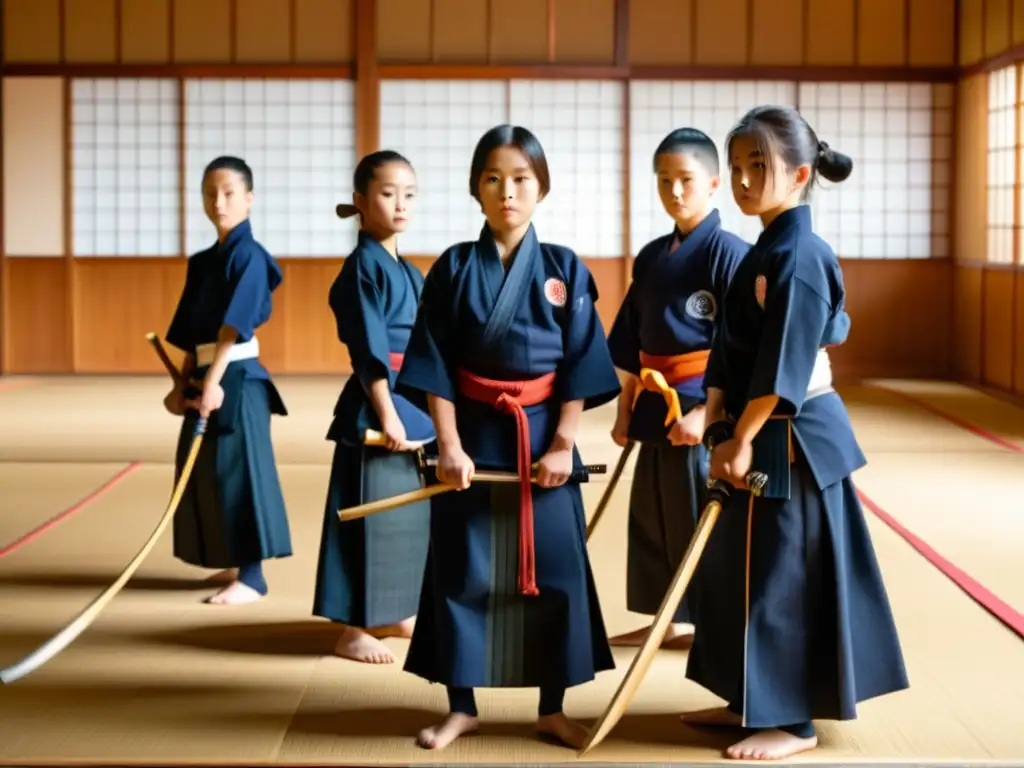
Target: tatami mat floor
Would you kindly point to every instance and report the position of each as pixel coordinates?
(162, 678)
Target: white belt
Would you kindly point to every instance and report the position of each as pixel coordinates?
(247, 350)
(821, 375)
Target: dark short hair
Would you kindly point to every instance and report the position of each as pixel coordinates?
(509, 136)
(782, 133)
(365, 173)
(690, 141)
(229, 163)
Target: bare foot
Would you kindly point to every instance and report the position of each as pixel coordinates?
(677, 637)
(453, 726)
(714, 716)
(355, 644)
(770, 744)
(562, 728)
(401, 629)
(235, 594)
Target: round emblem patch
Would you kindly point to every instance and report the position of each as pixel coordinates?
(702, 305)
(761, 290)
(554, 291)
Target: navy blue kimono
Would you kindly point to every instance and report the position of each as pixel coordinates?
(475, 627)
(370, 570)
(233, 512)
(669, 310)
(801, 627)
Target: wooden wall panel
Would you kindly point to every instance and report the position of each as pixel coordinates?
(773, 42)
(1018, 21)
(408, 40)
(36, 317)
(32, 31)
(971, 31)
(90, 31)
(648, 43)
(932, 33)
(968, 322)
(585, 31)
(901, 320)
(998, 27)
(998, 327)
(519, 31)
(881, 33)
(971, 170)
(263, 31)
(146, 31)
(831, 34)
(324, 31)
(722, 32)
(1018, 334)
(466, 41)
(203, 31)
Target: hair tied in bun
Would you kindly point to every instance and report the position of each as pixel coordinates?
(346, 210)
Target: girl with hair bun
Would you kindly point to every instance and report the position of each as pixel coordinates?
(802, 630)
(370, 570)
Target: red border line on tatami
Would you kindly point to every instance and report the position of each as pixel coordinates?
(987, 599)
(10, 386)
(94, 496)
(974, 429)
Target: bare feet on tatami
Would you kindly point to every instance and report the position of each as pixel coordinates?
(679, 637)
(358, 645)
(448, 730)
(236, 593)
(456, 724)
(769, 744)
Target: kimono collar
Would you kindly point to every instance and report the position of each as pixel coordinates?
(241, 232)
(489, 246)
(365, 240)
(796, 219)
(712, 221)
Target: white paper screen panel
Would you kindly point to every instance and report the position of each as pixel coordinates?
(126, 197)
(895, 204)
(436, 124)
(579, 124)
(1002, 150)
(298, 136)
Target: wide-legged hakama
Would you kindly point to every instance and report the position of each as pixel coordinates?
(474, 628)
(370, 570)
(794, 622)
(232, 512)
(669, 485)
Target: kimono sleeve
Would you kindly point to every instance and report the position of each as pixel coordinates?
(624, 337)
(727, 259)
(430, 356)
(794, 320)
(716, 373)
(359, 311)
(248, 305)
(586, 371)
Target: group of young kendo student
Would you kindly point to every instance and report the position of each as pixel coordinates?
(489, 362)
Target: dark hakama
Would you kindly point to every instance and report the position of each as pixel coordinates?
(669, 310)
(474, 626)
(802, 628)
(232, 513)
(370, 570)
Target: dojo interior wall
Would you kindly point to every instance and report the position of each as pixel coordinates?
(903, 85)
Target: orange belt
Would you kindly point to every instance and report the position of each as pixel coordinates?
(662, 373)
(395, 360)
(510, 397)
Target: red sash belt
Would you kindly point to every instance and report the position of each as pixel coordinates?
(510, 397)
(395, 360)
(661, 373)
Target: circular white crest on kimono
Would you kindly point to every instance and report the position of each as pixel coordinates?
(702, 305)
(761, 290)
(554, 291)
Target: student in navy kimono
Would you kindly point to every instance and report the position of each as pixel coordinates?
(802, 627)
(661, 339)
(232, 515)
(507, 352)
(370, 570)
